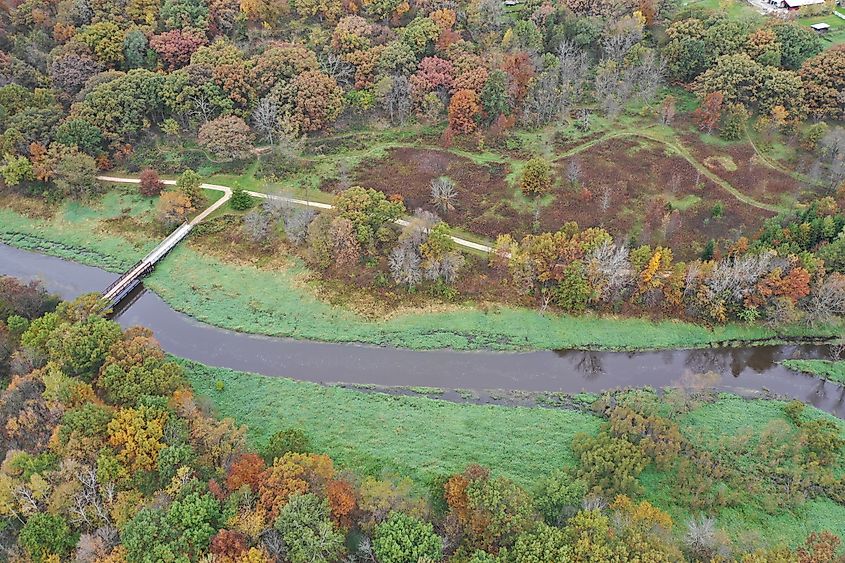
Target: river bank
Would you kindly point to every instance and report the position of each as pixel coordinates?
(279, 301)
(751, 371)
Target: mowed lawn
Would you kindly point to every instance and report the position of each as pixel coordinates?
(836, 33)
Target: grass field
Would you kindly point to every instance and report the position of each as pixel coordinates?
(826, 369)
(281, 302)
(836, 34)
(733, 8)
(421, 438)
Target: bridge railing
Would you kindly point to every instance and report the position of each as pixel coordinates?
(117, 289)
(117, 282)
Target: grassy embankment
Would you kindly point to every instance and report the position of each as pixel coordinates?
(825, 369)
(279, 301)
(420, 438)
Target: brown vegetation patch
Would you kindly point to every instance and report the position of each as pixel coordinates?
(639, 192)
(30, 207)
(483, 196)
(749, 174)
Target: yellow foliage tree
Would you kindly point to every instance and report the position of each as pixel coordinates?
(137, 434)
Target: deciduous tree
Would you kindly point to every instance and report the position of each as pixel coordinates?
(402, 538)
(150, 185)
(536, 177)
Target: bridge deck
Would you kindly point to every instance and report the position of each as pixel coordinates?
(116, 291)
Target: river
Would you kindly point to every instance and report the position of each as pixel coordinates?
(748, 371)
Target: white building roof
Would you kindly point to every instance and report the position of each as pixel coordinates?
(820, 26)
(799, 3)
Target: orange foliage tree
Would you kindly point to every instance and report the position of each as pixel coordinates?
(463, 110)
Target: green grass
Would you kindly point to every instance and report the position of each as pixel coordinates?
(836, 33)
(280, 303)
(738, 9)
(420, 438)
(415, 437)
(684, 203)
(826, 369)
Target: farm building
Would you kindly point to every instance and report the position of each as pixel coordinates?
(798, 4)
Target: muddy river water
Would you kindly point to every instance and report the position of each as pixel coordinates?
(748, 370)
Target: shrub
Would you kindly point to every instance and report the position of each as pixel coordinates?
(284, 441)
(537, 177)
(608, 464)
(241, 201)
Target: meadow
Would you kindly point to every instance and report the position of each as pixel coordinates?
(422, 438)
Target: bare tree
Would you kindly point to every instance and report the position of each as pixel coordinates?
(604, 200)
(443, 194)
(702, 538)
(573, 67)
(545, 100)
(344, 179)
(397, 100)
(738, 276)
(445, 268)
(490, 17)
(827, 301)
(415, 233)
(620, 36)
(555, 90)
(832, 156)
(573, 170)
(296, 224)
(647, 76)
(258, 226)
(612, 87)
(675, 183)
(583, 123)
(405, 265)
(272, 541)
(334, 65)
(609, 268)
(265, 119)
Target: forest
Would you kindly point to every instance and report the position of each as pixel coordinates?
(111, 456)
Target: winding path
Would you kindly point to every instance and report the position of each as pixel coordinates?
(227, 194)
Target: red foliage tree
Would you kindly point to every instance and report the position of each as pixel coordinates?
(175, 47)
(710, 111)
(520, 70)
(151, 185)
(246, 470)
(342, 501)
(432, 73)
(228, 545)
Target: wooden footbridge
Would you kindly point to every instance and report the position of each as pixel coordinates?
(121, 287)
(124, 285)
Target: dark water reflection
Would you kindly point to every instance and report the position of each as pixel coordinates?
(748, 371)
